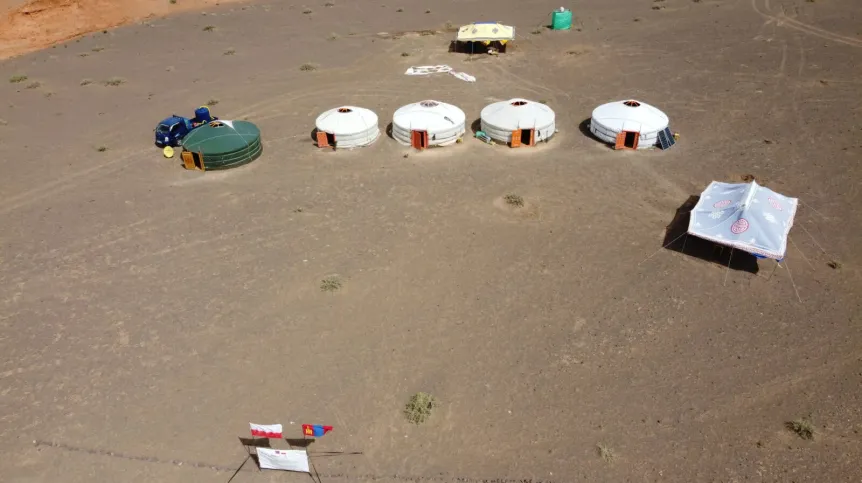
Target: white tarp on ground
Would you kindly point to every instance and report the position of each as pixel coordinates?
(283, 459)
(746, 216)
(428, 69)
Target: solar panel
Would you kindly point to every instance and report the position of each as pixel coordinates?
(666, 139)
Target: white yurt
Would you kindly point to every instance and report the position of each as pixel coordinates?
(347, 127)
(518, 122)
(428, 123)
(628, 124)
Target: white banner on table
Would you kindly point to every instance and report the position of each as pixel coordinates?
(283, 459)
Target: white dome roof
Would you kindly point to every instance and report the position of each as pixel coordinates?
(346, 120)
(518, 114)
(431, 116)
(630, 115)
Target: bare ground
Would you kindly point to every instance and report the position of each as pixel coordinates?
(148, 313)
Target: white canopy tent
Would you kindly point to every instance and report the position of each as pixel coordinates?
(428, 123)
(628, 124)
(347, 127)
(745, 216)
(518, 122)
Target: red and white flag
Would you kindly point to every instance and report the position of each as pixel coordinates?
(266, 430)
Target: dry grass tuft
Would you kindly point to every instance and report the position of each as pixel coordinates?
(514, 200)
(331, 284)
(229, 51)
(212, 102)
(101, 149)
(605, 452)
(209, 28)
(86, 82)
(115, 81)
(307, 67)
(307, 11)
(803, 427)
(34, 85)
(419, 408)
(16, 79)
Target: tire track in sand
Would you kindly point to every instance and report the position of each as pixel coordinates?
(783, 20)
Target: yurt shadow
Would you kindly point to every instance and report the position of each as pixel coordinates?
(476, 125)
(388, 131)
(677, 239)
(584, 127)
(456, 47)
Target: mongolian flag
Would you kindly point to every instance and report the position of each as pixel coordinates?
(315, 430)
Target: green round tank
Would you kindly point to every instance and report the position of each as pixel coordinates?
(561, 20)
(225, 144)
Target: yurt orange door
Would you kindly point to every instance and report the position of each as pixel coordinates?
(192, 160)
(325, 139)
(627, 140)
(525, 137)
(419, 139)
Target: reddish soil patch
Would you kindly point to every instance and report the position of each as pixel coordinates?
(29, 26)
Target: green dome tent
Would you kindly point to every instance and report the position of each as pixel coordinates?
(222, 145)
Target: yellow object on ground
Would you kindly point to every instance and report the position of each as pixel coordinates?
(486, 32)
(168, 152)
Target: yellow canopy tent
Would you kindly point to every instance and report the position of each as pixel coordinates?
(486, 32)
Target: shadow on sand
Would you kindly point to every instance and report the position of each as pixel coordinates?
(677, 239)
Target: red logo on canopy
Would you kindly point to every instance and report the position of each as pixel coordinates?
(739, 226)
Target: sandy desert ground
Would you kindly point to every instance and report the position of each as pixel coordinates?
(149, 313)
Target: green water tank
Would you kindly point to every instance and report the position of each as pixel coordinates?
(561, 19)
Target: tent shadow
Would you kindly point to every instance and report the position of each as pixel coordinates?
(676, 239)
(389, 131)
(295, 443)
(471, 48)
(255, 442)
(476, 126)
(584, 127)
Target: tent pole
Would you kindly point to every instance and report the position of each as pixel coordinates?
(774, 268)
(728, 266)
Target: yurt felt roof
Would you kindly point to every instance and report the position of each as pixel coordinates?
(346, 120)
(429, 116)
(485, 31)
(221, 137)
(518, 114)
(630, 115)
